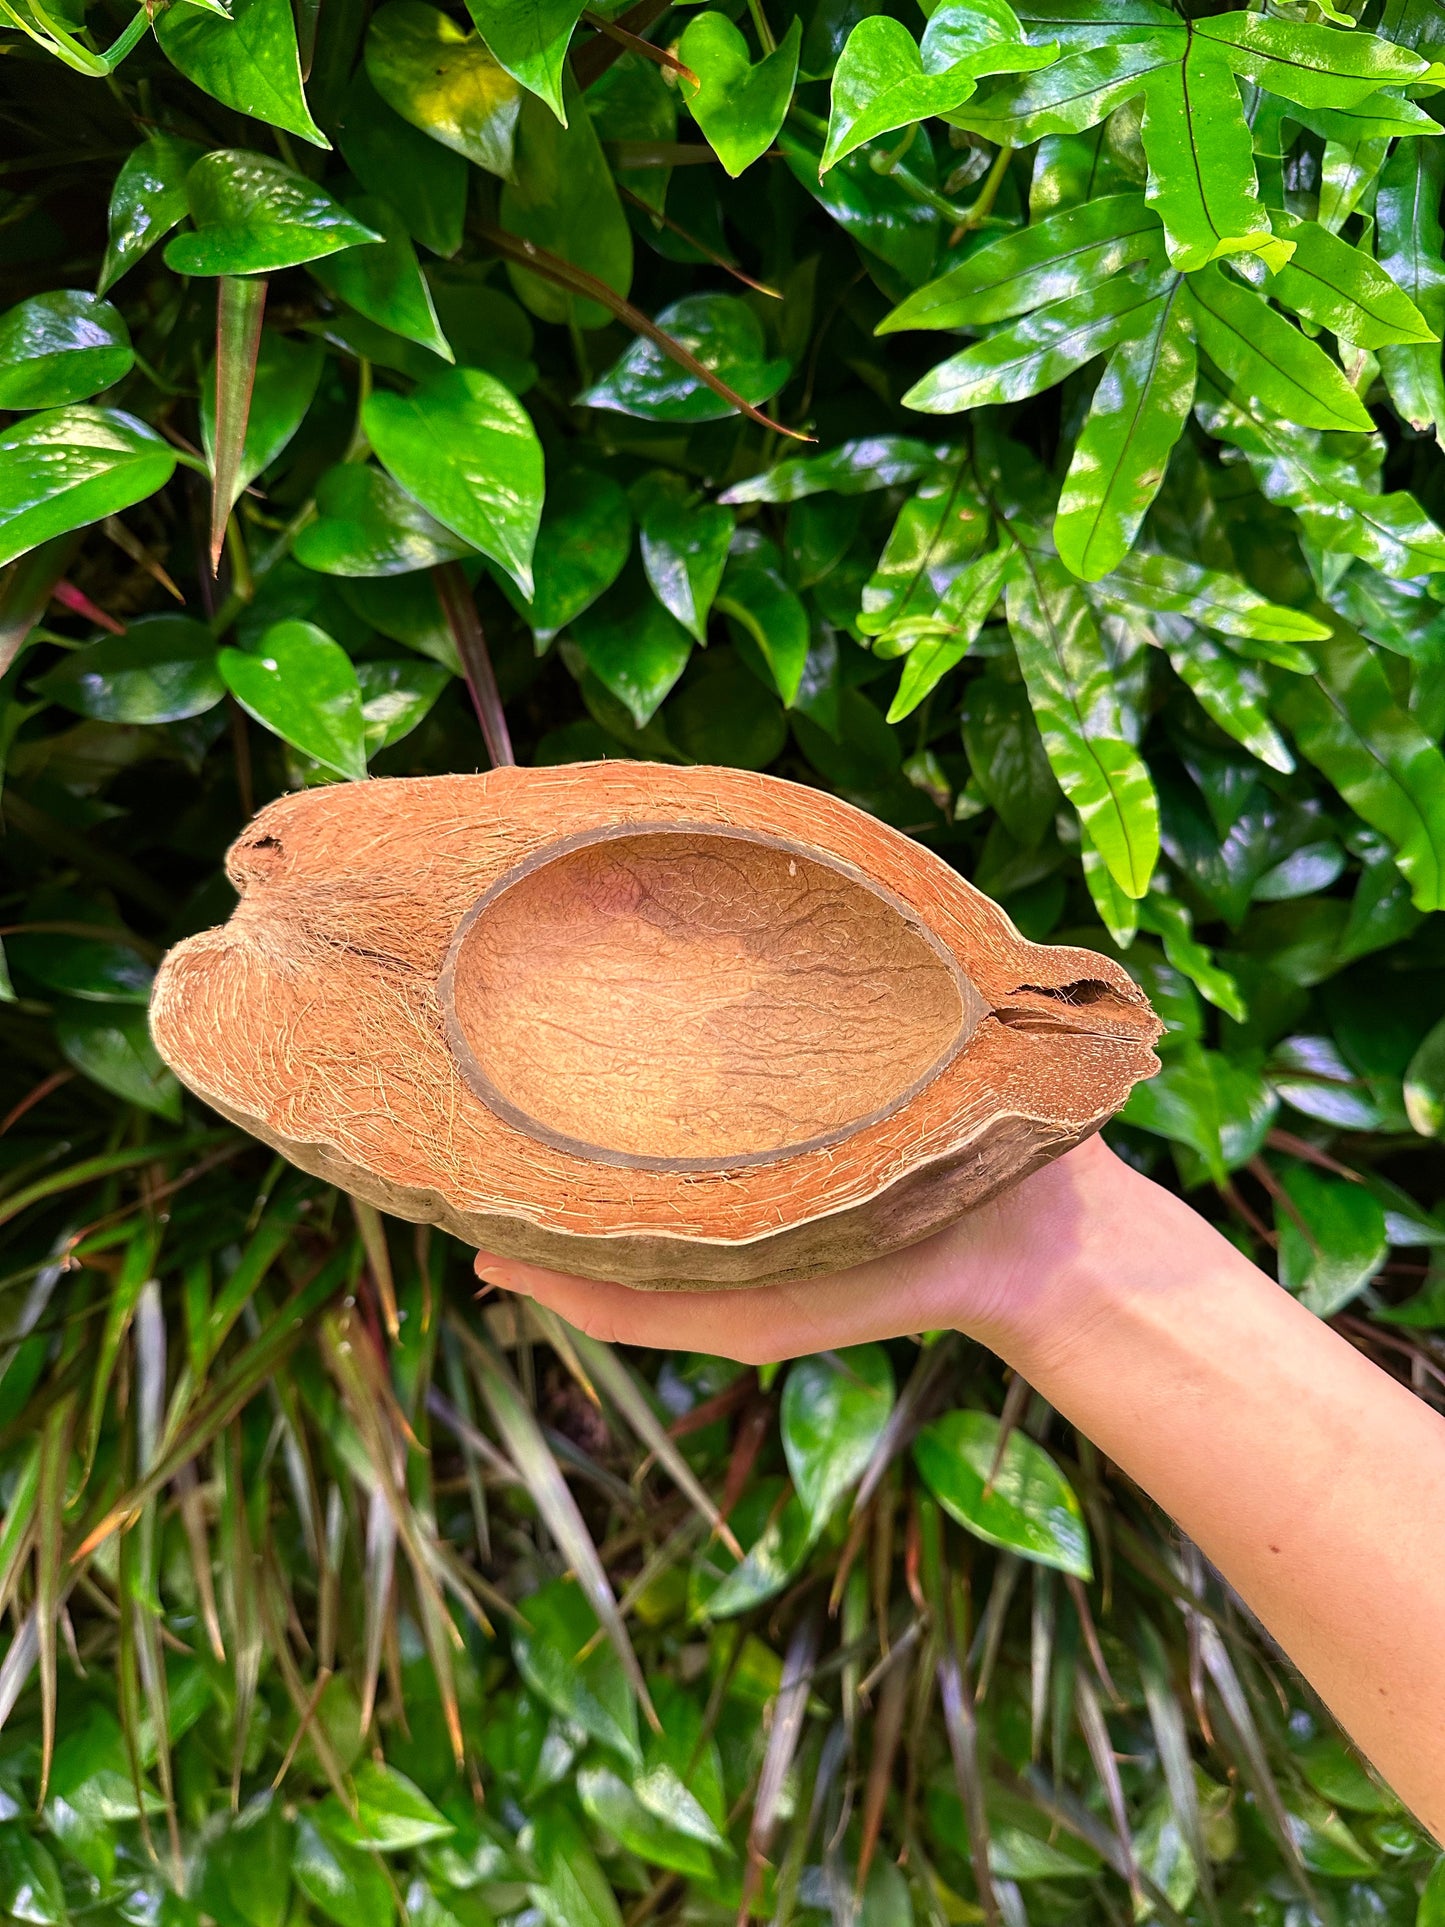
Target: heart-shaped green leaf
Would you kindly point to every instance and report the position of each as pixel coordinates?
(582, 545)
(148, 198)
(684, 546)
(738, 106)
(726, 337)
(383, 281)
(253, 215)
(249, 62)
(161, 670)
(71, 466)
(465, 447)
(396, 696)
(634, 648)
(301, 686)
(835, 1407)
(530, 39)
(424, 181)
(60, 347)
(366, 526)
(1018, 1499)
(444, 81)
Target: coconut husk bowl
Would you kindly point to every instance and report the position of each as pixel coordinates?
(680, 1028)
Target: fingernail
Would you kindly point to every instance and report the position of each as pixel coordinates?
(503, 1278)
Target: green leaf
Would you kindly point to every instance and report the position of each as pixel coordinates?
(1201, 162)
(883, 79)
(949, 634)
(1332, 1243)
(529, 38)
(1425, 1084)
(887, 209)
(1216, 601)
(757, 599)
(738, 105)
(1339, 287)
(1072, 688)
(1007, 758)
(366, 526)
(575, 1891)
(110, 1044)
(443, 80)
(383, 281)
(1065, 254)
(249, 61)
(835, 1406)
(635, 649)
(611, 1804)
(1228, 690)
(1202, 1099)
(1316, 66)
(724, 714)
(1432, 1899)
(1072, 94)
(393, 1815)
(725, 336)
(1033, 354)
(684, 547)
(465, 448)
(853, 468)
(94, 970)
(1267, 359)
(1346, 721)
(1410, 248)
(1017, 1499)
(161, 670)
(1138, 413)
(341, 1883)
(1169, 920)
(301, 686)
(61, 347)
(564, 199)
(395, 697)
(562, 1660)
(771, 1523)
(287, 374)
(423, 180)
(71, 466)
(148, 198)
(583, 542)
(254, 216)
(939, 531)
(30, 1883)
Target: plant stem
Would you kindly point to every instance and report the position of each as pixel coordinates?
(459, 607)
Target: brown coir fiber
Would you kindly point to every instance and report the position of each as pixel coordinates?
(676, 1027)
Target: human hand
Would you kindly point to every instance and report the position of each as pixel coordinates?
(1016, 1273)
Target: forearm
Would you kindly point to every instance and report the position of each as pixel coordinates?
(1312, 1480)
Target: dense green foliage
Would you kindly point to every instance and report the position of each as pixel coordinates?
(1021, 421)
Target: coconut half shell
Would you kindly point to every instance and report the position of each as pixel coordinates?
(679, 1028)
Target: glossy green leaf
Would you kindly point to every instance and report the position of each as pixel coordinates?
(147, 200)
(1171, 921)
(1229, 691)
(887, 209)
(1332, 1243)
(383, 280)
(939, 531)
(1138, 413)
(443, 80)
(367, 526)
(854, 468)
(1314, 65)
(1410, 248)
(110, 1044)
(93, 970)
(249, 62)
(1267, 359)
(466, 449)
(396, 697)
(344, 1885)
(1075, 702)
(71, 466)
(1202, 181)
(1216, 601)
(1074, 93)
(757, 600)
(1064, 254)
(1221, 1109)
(1346, 721)
(1339, 287)
(1007, 756)
(59, 348)
(392, 1813)
(723, 713)
(635, 649)
(723, 333)
(301, 686)
(424, 181)
(583, 542)
(564, 199)
(834, 1409)
(771, 1523)
(1032, 354)
(161, 670)
(1425, 1084)
(738, 104)
(591, 1691)
(1016, 1498)
(287, 374)
(529, 39)
(252, 215)
(946, 637)
(684, 547)
(610, 1802)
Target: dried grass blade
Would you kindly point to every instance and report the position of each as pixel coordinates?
(193, 1519)
(1101, 1751)
(960, 1723)
(887, 1731)
(17, 1532)
(525, 1445)
(240, 306)
(1171, 1738)
(1230, 1688)
(378, 1261)
(928, 1368)
(789, 1712)
(1042, 1619)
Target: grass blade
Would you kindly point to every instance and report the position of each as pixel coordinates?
(240, 306)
